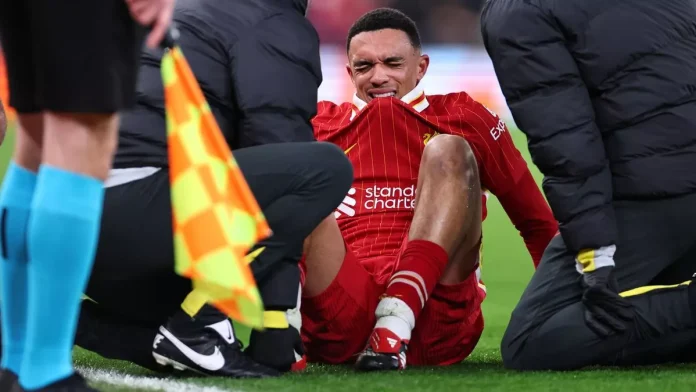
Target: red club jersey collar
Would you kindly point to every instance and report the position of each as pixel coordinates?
(416, 98)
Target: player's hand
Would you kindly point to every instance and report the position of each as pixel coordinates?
(156, 14)
(279, 349)
(606, 312)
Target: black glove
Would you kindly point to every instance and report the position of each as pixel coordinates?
(606, 312)
(279, 349)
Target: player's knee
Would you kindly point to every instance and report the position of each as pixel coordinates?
(511, 353)
(521, 352)
(515, 345)
(450, 155)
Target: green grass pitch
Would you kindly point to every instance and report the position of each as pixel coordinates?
(505, 272)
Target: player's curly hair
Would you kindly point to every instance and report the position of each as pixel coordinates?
(385, 18)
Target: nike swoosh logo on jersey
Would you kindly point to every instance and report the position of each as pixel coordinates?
(212, 362)
(350, 148)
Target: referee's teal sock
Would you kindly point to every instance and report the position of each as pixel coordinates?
(15, 200)
(63, 234)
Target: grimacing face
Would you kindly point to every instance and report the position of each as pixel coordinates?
(383, 63)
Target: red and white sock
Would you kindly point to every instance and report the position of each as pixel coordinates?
(420, 267)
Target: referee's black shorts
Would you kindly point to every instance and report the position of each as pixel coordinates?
(77, 56)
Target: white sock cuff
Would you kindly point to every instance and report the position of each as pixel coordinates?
(396, 307)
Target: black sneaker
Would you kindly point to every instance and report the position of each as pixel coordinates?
(74, 383)
(205, 344)
(9, 381)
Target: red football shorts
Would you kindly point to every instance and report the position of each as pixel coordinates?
(337, 323)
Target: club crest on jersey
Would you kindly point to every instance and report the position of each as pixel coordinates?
(428, 136)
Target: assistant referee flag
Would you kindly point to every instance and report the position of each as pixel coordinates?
(216, 218)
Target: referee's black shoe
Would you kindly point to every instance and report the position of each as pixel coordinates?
(9, 381)
(205, 344)
(72, 383)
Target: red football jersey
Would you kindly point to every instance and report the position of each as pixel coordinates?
(385, 140)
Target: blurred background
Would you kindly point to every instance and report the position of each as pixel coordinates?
(439, 21)
(451, 36)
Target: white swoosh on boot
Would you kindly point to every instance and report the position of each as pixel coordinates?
(212, 362)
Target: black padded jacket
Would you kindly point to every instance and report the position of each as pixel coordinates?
(605, 92)
(257, 62)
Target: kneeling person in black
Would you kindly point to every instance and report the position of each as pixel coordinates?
(133, 282)
(611, 128)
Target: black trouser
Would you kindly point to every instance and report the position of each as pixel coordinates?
(133, 282)
(656, 246)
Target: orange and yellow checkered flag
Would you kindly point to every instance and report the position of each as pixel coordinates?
(216, 218)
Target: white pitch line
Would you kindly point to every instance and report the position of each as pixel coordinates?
(120, 379)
